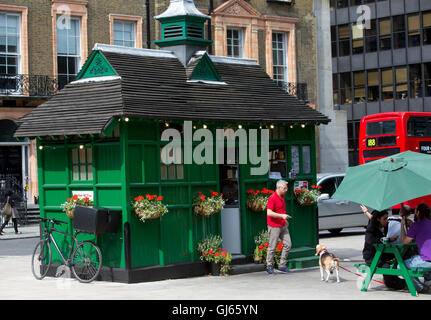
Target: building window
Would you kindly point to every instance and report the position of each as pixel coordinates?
(235, 43)
(357, 39)
(175, 169)
(401, 89)
(9, 43)
(68, 51)
(385, 34)
(334, 41)
(353, 142)
(426, 24)
(399, 26)
(427, 77)
(345, 88)
(387, 85)
(82, 164)
(125, 33)
(279, 54)
(359, 86)
(335, 87)
(342, 3)
(414, 32)
(344, 40)
(415, 78)
(371, 37)
(373, 85)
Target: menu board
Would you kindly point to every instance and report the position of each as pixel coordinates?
(295, 158)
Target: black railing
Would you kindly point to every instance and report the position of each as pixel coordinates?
(28, 85)
(298, 90)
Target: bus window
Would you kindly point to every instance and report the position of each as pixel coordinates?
(419, 127)
(381, 127)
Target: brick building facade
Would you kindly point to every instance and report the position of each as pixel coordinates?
(51, 49)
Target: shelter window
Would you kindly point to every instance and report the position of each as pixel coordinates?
(277, 161)
(235, 43)
(68, 51)
(125, 33)
(82, 164)
(173, 169)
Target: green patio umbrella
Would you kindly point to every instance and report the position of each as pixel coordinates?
(383, 183)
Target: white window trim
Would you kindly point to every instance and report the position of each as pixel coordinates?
(240, 38)
(285, 54)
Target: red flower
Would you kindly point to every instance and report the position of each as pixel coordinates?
(211, 252)
(261, 247)
(70, 199)
(86, 199)
(75, 197)
(217, 254)
(202, 197)
(160, 198)
(224, 255)
(266, 244)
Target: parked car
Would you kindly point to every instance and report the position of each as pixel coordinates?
(335, 214)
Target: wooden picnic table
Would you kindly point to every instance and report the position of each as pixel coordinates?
(398, 250)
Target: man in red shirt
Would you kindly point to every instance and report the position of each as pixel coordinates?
(277, 227)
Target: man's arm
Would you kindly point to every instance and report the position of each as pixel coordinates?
(404, 238)
(273, 214)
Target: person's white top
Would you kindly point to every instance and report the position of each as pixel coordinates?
(394, 229)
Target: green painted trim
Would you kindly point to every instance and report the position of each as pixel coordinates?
(205, 70)
(96, 66)
(125, 189)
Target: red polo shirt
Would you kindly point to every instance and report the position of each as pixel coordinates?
(277, 205)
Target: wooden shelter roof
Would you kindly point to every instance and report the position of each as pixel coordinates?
(153, 84)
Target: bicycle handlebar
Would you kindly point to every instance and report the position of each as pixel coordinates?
(52, 221)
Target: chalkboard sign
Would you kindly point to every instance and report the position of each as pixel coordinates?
(295, 158)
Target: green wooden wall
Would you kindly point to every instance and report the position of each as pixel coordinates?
(174, 237)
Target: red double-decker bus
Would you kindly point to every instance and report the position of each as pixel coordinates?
(385, 134)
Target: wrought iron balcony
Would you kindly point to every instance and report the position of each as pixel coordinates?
(27, 85)
(298, 90)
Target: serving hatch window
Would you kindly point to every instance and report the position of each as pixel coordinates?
(381, 127)
(419, 127)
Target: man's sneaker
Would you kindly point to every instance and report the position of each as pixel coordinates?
(284, 270)
(270, 270)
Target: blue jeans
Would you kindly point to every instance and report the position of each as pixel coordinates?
(417, 262)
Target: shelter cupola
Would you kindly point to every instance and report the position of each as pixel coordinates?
(183, 28)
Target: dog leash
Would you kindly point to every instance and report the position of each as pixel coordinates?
(360, 275)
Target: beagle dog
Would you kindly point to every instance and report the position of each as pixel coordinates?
(327, 261)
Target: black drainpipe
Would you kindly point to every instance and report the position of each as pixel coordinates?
(210, 11)
(147, 4)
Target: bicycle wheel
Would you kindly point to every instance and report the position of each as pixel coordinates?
(86, 261)
(41, 259)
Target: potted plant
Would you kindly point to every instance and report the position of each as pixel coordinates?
(208, 205)
(307, 197)
(71, 203)
(149, 207)
(218, 258)
(258, 200)
(261, 250)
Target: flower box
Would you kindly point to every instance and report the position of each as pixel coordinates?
(307, 197)
(258, 200)
(208, 205)
(149, 207)
(71, 203)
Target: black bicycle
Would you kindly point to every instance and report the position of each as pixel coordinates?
(84, 258)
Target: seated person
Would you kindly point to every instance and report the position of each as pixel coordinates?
(375, 233)
(420, 231)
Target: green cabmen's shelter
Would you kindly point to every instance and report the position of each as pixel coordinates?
(102, 135)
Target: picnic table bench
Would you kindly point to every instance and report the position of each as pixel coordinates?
(398, 250)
